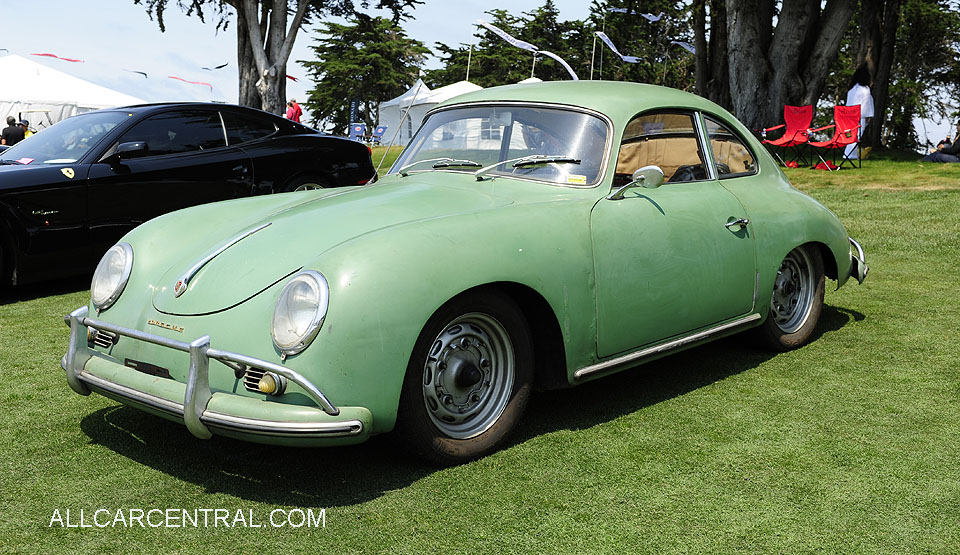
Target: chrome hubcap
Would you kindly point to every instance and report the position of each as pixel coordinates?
(468, 375)
(793, 291)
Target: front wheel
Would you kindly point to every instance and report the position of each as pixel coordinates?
(796, 302)
(468, 380)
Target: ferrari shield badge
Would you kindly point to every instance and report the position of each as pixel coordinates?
(68, 172)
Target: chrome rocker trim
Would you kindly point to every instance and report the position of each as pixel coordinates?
(637, 356)
(858, 266)
(193, 409)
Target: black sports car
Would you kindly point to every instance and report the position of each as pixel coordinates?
(70, 191)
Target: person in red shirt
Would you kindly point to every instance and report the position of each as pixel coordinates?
(293, 111)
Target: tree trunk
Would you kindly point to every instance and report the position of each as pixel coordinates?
(271, 43)
(702, 69)
(247, 66)
(749, 69)
(881, 80)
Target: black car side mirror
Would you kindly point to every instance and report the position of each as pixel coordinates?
(131, 149)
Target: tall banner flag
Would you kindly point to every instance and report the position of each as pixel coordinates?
(651, 18)
(503, 34)
(606, 40)
(685, 45)
(562, 62)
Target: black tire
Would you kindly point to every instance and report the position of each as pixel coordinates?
(796, 301)
(306, 183)
(468, 380)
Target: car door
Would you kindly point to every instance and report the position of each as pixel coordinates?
(672, 259)
(182, 160)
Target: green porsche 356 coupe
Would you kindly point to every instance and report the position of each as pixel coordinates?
(528, 236)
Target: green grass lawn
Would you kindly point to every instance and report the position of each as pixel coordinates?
(850, 444)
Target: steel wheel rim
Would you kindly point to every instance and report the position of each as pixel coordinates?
(468, 376)
(793, 291)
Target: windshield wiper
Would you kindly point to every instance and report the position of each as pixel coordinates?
(524, 161)
(8, 162)
(458, 163)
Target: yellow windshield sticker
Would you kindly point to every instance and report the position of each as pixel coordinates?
(577, 179)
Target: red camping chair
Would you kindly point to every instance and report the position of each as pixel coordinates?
(846, 124)
(798, 120)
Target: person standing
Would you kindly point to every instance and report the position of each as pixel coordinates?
(26, 128)
(859, 94)
(12, 134)
(293, 111)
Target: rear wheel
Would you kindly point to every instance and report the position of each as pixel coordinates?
(796, 302)
(307, 183)
(468, 380)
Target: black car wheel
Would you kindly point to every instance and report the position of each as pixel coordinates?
(307, 183)
(796, 302)
(468, 380)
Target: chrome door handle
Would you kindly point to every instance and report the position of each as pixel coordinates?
(741, 222)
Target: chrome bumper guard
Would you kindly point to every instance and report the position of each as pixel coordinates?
(198, 392)
(858, 268)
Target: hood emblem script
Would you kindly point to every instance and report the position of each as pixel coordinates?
(183, 283)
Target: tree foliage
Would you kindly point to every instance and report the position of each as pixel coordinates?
(370, 60)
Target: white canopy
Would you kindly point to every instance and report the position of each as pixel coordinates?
(44, 96)
(420, 100)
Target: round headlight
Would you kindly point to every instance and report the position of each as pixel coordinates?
(111, 276)
(300, 311)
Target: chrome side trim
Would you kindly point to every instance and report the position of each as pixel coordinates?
(661, 348)
(227, 421)
(188, 275)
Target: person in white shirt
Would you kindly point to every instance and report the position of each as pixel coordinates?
(859, 93)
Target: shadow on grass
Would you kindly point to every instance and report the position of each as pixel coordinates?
(341, 476)
(18, 293)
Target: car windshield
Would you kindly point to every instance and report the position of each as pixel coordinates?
(540, 143)
(63, 143)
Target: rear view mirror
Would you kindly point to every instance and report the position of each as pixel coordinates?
(649, 177)
(131, 149)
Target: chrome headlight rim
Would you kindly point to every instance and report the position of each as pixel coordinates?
(304, 340)
(121, 284)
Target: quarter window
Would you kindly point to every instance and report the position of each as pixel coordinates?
(243, 128)
(178, 132)
(667, 140)
(731, 156)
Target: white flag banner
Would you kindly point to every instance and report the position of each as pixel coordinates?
(685, 45)
(562, 62)
(606, 40)
(652, 18)
(618, 10)
(512, 40)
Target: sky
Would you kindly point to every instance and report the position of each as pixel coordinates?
(118, 35)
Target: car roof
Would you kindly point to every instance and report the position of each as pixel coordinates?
(619, 100)
(142, 108)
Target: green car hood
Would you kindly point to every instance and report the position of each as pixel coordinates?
(298, 234)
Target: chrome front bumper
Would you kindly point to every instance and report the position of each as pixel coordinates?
(202, 409)
(858, 266)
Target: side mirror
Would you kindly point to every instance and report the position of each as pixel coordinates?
(131, 149)
(649, 177)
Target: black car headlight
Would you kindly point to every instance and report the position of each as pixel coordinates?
(111, 276)
(300, 311)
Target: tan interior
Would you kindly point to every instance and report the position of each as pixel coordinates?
(732, 154)
(667, 152)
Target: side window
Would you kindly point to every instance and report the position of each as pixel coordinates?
(243, 128)
(177, 132)
(732, 157)
(664, 139)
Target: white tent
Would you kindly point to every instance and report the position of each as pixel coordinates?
(44, 96)
(420, 100)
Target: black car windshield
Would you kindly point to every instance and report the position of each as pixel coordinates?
(66, 142)
(529, 142)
